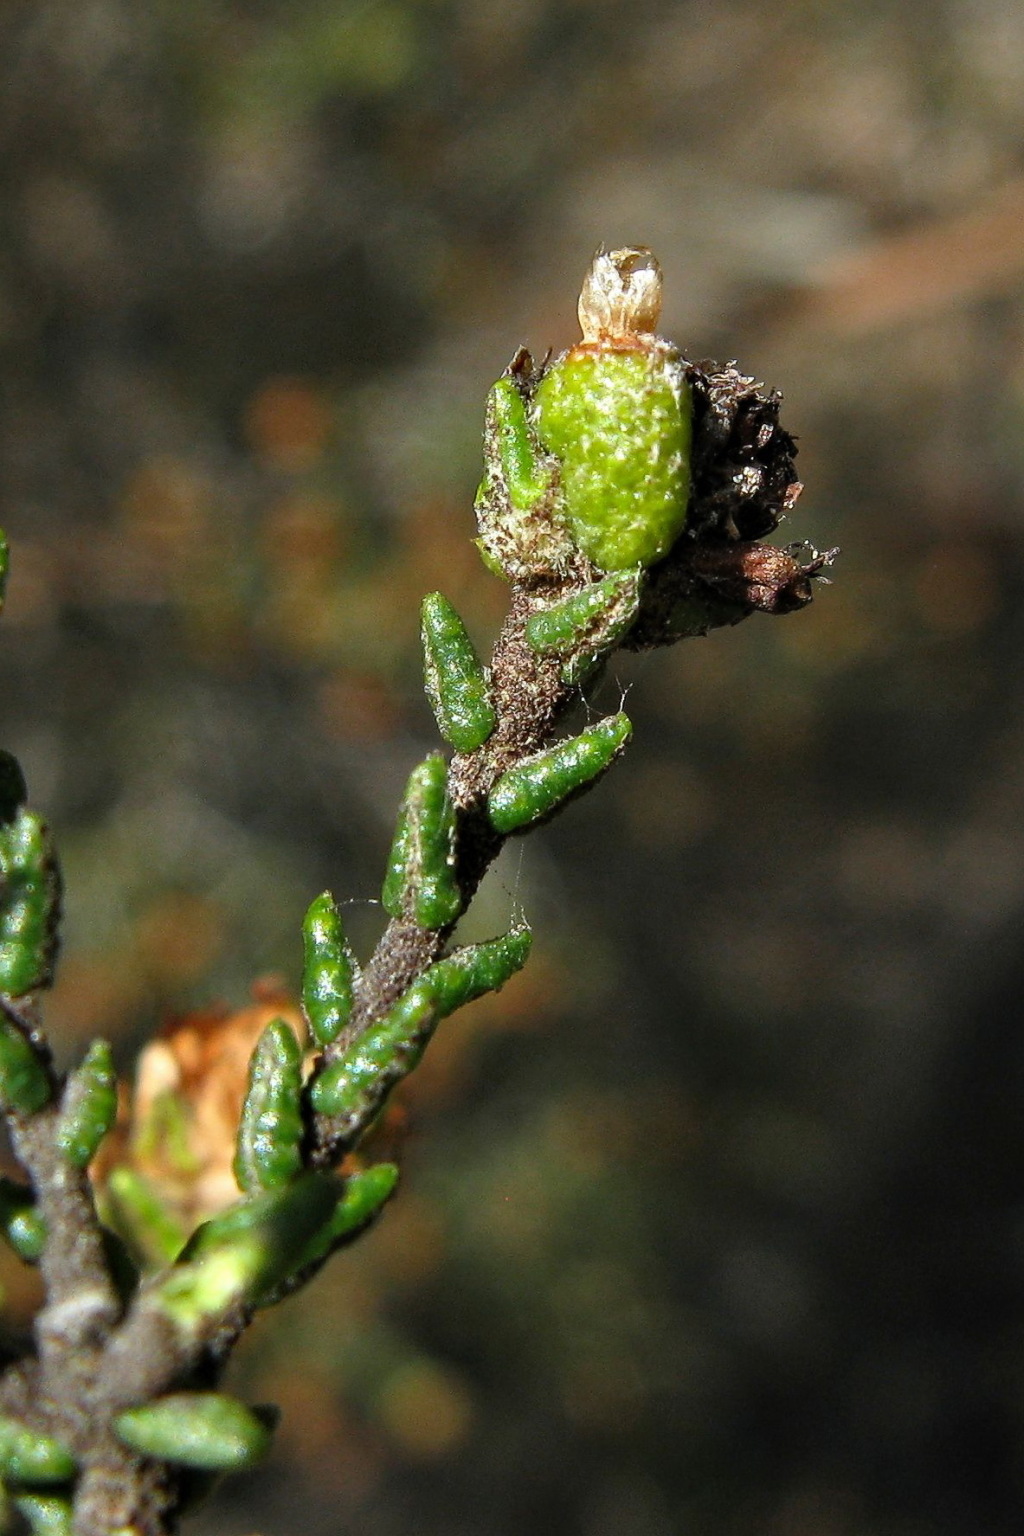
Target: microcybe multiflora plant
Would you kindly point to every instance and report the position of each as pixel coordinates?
(624, 495)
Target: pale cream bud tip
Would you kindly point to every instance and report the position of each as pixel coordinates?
(621, 294)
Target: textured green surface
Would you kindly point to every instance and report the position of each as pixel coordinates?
(29, 905)
(455, 682)
(619, 421)
(208, 1430)
(268, 1153)
(364, 1196)
(538, 786)
(327, 971)
(26, 1456)
(45, 1516)
(89, 1106)
(420, 882)
(154, 1235)
(355, 1087)
(588, 623)
(24, 1084)
(525, 478)
(242, 1254)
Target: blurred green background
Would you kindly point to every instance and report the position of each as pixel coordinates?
(713, 1222)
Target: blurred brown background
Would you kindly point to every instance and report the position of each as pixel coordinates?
(712, 1223)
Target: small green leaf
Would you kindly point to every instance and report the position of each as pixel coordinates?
(207, 1430)
(45, 1516)
(24, 1081)
(328, 970)
(541, 784)
(27, 1456)
(270, 1131)
(21, 1223)
(588, 622)
(242, 1254)
(362, 1198)
(29, 905)
(523, 532)
(89, 1106)
(153, 1233)
(526, 478)
(455, 681)
(420, 883)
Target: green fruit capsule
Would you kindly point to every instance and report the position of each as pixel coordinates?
(353, 1089)
(24, 1081)
(89, 1106)
(26, 1456)
(455, 681)
(206, 1430)
(241, 1255)
(420, 883)
(616, 412)
(45, 1516)
(269, 1150)
(582, 627)
(29, 905)
(540, 784)
(328, 970)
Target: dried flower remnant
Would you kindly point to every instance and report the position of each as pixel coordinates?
(183, 1114)
(621, 295)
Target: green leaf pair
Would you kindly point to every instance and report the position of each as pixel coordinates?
(252, 1252)
(239, 1256)
(352, 1089)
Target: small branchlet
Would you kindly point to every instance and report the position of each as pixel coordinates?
(624, 491)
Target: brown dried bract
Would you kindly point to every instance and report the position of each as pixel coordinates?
(181, 1121)
(759, 576)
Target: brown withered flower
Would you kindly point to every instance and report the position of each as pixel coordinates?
(177, 1125)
